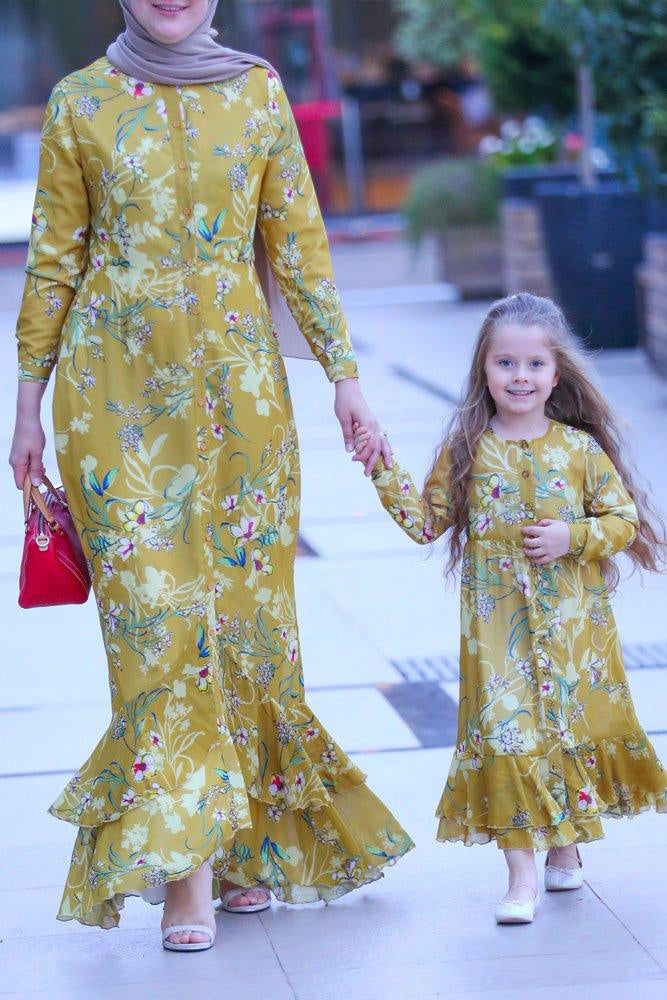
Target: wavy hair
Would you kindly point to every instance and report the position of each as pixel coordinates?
(576, 400)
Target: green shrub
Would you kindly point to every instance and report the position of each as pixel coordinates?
(452, 192)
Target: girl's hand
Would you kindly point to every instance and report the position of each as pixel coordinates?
(361, 438)
(545, 541)
(350, 408)
(27, 451)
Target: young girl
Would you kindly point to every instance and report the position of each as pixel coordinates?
(533, 486)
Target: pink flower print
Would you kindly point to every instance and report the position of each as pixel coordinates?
(476, 762)
(284, 634)
(477, 738)
(311, 733)
(401, 516)
(293, 651)
(590, 761)
(483, 523)
(585, 799)
(277, 785)
(274, 107)
(241, 737)
(523, 581)
(547, 688)
(203, 679)
(143, 766)
(208, 404)
(260, 497)
(97, 260)
(288, 194)
(505, 564)
(161, 109)
(461, 749)
(155, 738)
(261, 562)
(299, 782)
(102, 236)
(126, 548)
(127, 798)
(427, 531)
(558, 484)
(230, 503)
(218, 431)
(405, 487)
(80, 234)
(140, 861)
(232, 316)
(138, 88)
(107, 568)
(245, 529)
(112, 71)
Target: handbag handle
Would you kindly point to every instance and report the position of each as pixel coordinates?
(34, 493)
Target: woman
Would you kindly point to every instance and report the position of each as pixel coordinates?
(178, 452)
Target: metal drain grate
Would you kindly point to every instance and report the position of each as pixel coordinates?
(638, 656)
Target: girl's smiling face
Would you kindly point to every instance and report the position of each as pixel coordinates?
(169, 21)
(520, 369)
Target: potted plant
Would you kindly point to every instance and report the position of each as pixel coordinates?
(457, 201)
(594, 232)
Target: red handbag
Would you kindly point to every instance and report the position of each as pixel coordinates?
(53, 567)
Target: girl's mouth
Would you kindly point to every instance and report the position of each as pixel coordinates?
(521, 392)
(169, 9)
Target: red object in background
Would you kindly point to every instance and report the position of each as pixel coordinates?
(311, 119)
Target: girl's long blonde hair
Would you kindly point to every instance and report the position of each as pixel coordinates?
(576, 400)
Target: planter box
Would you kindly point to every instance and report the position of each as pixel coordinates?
(594, 244)
(652, 288)
(472, 260)
(524, 259)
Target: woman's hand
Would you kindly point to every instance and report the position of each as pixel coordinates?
(545, 541)
(351, 408)
(361, 439)
(27, 451)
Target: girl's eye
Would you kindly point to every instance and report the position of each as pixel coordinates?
(505, 363)
(537, 363)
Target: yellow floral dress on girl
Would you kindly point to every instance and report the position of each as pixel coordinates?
(178, 451)
(548, 740)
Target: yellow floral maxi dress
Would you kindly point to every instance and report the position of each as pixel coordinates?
(548, 740)
(177, 448)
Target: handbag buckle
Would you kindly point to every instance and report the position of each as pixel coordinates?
(42, 541)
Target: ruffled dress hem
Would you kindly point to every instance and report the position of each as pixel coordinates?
(531, 802)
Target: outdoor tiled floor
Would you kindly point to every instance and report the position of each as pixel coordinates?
(379, 638)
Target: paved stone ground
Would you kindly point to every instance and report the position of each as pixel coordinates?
(379, 635)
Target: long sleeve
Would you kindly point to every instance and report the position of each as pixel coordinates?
(422, 516)
(58, 248)
(611, 519)
(296, 243)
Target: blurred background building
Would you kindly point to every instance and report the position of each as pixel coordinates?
(525, 144)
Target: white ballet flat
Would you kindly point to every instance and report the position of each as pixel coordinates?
(191, 945)
(560, 879)
(510, 911)
(248, 907)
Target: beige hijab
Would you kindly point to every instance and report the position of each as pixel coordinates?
(200, 59)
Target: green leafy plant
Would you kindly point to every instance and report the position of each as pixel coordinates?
(451, 192)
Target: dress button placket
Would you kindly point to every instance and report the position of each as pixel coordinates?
(184, 207)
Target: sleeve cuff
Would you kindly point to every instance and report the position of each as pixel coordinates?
(578, 538)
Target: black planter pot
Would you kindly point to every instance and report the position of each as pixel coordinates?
(520, 182)
(594, 243)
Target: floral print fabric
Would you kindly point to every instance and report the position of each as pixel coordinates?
(548, 739)
(178, 452)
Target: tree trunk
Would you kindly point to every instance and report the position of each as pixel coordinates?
(586, 102)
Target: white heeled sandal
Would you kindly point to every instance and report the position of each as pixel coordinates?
(560, 879)
(247, 907)
(187, 929)
(510, 911)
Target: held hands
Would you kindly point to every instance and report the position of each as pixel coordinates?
(545, 541)
(352, 409)
(362, 437)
